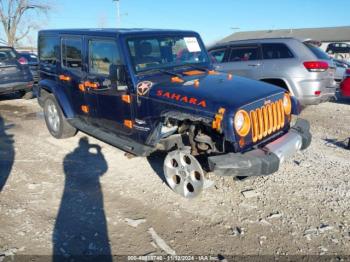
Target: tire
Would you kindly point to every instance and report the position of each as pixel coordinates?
(26, 95)
(56, 122)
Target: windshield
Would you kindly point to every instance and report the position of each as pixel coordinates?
(157, 52)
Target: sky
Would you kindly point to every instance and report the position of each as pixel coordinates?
(214, 20)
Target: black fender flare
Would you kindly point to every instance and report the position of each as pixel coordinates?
(61, 97)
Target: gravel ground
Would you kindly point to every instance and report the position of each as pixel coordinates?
(82, 196)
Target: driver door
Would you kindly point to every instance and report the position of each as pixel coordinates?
(114, 111)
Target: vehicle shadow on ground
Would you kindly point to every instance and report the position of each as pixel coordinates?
(345, 144)
(81, 227)
(342, 100)
(7, 153)
(11, 96)
(156, 161)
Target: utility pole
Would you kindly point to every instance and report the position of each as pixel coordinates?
(118, 12)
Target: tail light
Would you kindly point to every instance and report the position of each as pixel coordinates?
(348, 71)
(22, 61)
(316, 66)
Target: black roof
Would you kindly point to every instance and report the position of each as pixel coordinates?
(112, 31)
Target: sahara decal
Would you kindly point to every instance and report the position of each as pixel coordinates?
(144, 87)
(181, 98)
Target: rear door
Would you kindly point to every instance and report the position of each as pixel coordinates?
(277, 60)
(11, 71)
(243, 60)
(72, 74)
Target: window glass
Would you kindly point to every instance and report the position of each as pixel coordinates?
(218, 55)
(239, 54)
(317, 51)
(32, 58)
(6, 54)
(338, 48)
(48, 49)
(148, 53)
(102, 54)
(71, 53)
(276, 51)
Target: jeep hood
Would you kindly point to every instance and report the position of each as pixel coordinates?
(213, 91)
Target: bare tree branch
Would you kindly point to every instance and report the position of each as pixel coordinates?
(12, 13)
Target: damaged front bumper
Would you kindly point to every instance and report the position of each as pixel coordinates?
(265, 160)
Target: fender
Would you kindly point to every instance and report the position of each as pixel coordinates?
(61, 97)
(296, 107)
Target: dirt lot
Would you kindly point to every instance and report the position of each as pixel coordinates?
(83, 196)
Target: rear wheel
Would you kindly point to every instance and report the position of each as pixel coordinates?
(26, 95)
(55, 121)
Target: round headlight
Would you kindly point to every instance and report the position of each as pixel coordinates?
(287, 104)
(242, 123)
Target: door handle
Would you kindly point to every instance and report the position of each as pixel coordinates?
(254, 65)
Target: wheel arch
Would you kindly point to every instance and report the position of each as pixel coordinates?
(50, 87)
(278, 82)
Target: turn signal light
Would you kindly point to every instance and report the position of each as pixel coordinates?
(287, 104)
(64, 78)
(217, 123)
(128, 123)
(85, 109)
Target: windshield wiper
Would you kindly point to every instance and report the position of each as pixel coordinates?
(162, 71)
(197, 67)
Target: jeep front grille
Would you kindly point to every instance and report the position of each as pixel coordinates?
(267, 120)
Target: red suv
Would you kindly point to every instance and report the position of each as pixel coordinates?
(345, 85)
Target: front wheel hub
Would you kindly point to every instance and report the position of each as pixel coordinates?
(183, 173)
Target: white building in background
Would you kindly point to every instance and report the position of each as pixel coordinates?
(334, 40)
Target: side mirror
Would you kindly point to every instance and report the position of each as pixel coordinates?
(117, 74)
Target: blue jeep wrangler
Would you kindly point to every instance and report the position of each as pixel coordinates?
(147, 90)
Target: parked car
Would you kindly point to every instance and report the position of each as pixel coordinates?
(14, 73)
(299, 67)
(345, 91)
(339, 51)
(341, 67)
(33, 63)
(345, 85)
(145, 90)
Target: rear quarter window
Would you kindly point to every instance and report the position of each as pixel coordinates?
(276, 51)
(317, 51)
(49, 47)
(72, 53)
